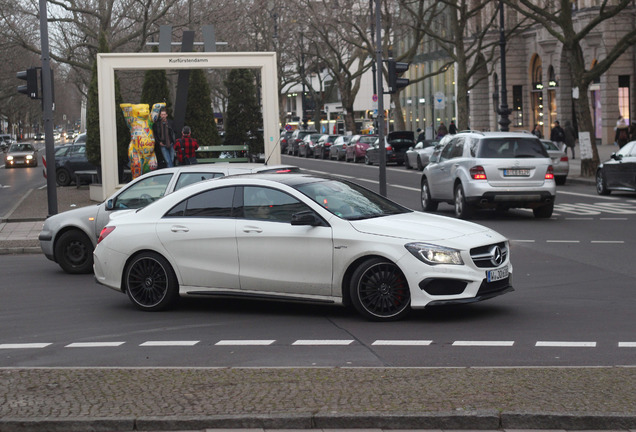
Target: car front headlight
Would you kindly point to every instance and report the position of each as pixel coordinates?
(29, 157)
(9, 158)
(434, 254)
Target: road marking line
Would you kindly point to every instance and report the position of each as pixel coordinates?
(94, 344)
(588, 195)
(402, 342)
(169, 343)
(563, 241)
(24, 345)
(483, 343)
(523, 241)
(323, 342)
(614, 218)
(627, 344)
(404, 187)
(579, 218)
(245, 342)
(566, 344)
(608, 241)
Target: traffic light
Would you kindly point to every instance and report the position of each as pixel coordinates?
(31, 77)
(395, 70)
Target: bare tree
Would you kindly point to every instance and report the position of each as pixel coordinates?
(570, 28)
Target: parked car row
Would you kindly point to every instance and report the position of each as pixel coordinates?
(350, 148)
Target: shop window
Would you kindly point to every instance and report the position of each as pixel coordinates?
(623, 97)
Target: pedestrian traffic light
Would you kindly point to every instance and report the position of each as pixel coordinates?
(395, 70)
(31, 77)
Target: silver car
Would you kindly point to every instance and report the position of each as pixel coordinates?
(560, 161)
(69, 238)
(498, 170)
(418, 156)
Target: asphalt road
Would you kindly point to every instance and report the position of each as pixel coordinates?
(16, 182)
(573, 306)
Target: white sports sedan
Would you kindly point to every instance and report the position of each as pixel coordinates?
(298, 237)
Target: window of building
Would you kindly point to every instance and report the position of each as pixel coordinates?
(623, 97)
(552, 104)
(517, 105)
(536, 93)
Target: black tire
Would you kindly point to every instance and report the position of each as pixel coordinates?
(463, 210)
(543, 212)
(419, 164)
(601, 184)
(428, 205)
(150, 282)
(74, 252)
(63, 177)
(379, 291)
(367, 161)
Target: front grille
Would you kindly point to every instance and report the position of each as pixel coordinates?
(490, 256)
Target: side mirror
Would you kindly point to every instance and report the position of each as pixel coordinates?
(305, 218)
(110, 204)
(617, 156)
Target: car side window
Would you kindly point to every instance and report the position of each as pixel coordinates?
(211, 203)
(263, 203)
(446, 151)
(78, 150)
(457, 150)
(189, 178)
(143, 192)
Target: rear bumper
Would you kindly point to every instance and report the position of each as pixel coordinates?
(530, 199)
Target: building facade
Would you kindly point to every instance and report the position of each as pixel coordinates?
(539, 87)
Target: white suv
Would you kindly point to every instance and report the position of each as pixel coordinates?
(498, 170)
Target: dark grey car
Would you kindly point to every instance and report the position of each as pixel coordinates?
(618, 173)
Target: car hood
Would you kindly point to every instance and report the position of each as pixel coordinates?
(21, 153)
(419, 226)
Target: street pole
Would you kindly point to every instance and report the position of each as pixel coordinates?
(47, 111)
(504, 111)
(378, 65)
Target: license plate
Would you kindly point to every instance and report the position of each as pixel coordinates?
(516, 172)
(499, 274)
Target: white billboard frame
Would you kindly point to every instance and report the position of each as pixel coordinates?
(107, 64)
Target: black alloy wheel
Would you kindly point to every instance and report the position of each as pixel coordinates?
(601, 184)
(379, 291)
(150, 282)
(63, 177)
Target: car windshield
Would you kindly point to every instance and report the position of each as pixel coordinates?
(549, 145)
(21, 147)
(368, 139)
(350, 201)
(511, 148)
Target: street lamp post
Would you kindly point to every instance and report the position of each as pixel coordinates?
(504, 111)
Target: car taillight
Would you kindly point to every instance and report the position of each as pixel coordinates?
(564, 159)
(105, 231)
(478, 173)
(388, 148)
(549, 175)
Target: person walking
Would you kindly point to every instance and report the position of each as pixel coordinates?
(557, 134)
(537, 131)
(421, 136)
(622, 133)
(164, 137)
(441, 130)
(185, 148)
(452, 129)
(570, 138)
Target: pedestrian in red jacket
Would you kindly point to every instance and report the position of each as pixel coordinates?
(186, 147)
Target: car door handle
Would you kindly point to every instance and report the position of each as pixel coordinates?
(179, 228)
(248, 229)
